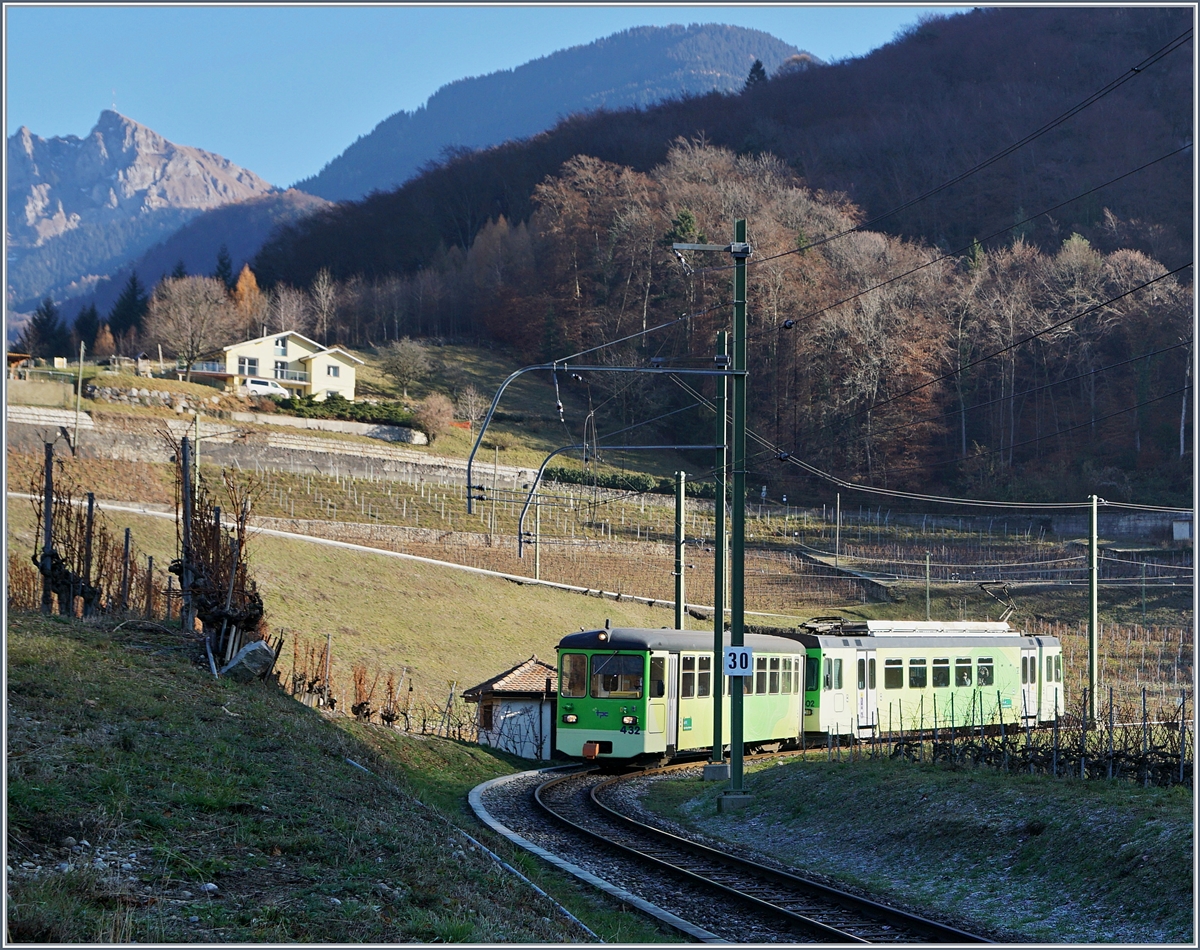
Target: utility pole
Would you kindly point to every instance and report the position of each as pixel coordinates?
(537, 540)
(927, 585)
(48, 528)
(185, 574)
(718, 770)
(680, 478)
(1093, 607)
(78, 397)
(837, 542)
(735, 797)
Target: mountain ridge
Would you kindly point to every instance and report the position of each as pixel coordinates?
(635, 67)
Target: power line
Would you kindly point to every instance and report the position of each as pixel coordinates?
(1096, 96)
(788, 324)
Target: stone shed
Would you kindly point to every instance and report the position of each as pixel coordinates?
(516, 709)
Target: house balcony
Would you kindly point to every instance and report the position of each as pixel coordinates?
(208, 366)
(292, 375)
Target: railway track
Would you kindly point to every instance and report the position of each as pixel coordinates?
(799, 905)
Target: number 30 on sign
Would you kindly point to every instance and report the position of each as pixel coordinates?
(739, 661)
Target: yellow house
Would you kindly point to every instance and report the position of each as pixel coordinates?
(301, 366)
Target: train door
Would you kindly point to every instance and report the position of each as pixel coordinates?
(672, 702)
(865, 692)
(1028, 699)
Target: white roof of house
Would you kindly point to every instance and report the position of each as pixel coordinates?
(275, 336)
(331, 350)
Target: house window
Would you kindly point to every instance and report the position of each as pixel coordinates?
(281, 369)
(333, 371)
(281, 346)
(487, 717)
(247, 366)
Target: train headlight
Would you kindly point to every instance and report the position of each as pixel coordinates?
(570, 718)
(628, 720)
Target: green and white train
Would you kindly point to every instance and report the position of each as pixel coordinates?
(628, 694)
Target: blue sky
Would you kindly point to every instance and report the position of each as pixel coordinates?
(282, 90)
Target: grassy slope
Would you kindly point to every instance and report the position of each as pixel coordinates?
(445, 625)
(121, 738)
(1027, 857)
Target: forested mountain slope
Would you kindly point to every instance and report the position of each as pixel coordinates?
(637, 67)
(884, 129)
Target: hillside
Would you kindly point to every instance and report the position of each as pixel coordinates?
(633, 68)
(80, 208)
(882, 128)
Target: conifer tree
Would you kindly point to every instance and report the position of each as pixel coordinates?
(224, 271)
(179, 271)
(45, 335)
(758, 75)
(130, 308)
(87, 325)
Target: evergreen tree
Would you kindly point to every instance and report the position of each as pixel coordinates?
(180, 271)
(87, 325)
(130, 308)
(224, 271)
(45, 335)
(758, 75)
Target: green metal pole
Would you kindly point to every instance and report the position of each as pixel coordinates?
(718, 679)
(1093, 608)
(926, 585)
(680, 478)
(737, 565)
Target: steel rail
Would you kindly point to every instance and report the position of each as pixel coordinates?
(920, 928)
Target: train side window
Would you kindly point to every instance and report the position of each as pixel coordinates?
(747, 685)
(871, 672)
(837, 674)
(1033, 670)
(962, 671)
(941, 671)
(862, 673)
(687, 677)
(773, 667)
(786, 688)
(918, 676)
(704, 676)
(760, 675)
(893, 674)
(812, 673)
(1058, 668)
(574, 675)
(986, 674)
(619, 675)
(1049, 670)
(827, 679)
(658, 677)
(1024, 670)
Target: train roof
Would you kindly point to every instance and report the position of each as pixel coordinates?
(638, 638)
(836, 627)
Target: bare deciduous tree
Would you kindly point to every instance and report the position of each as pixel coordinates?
(471, 405)
(190, 316)
(290, 309)
(324, 303)
(404, 361)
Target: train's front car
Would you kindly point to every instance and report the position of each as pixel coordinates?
(611, 696)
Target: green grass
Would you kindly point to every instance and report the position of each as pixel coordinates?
(1022, 857)
(122, 738)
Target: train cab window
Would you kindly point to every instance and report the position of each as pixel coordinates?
(871, 672)
(893, 674)
(812, 674)
(658, 677)
(962, 671)
(574, 675)
(985, 672)
(617, 676)
(918, 675)
(862, 673)
(1049, 670)
(941, 672)
(704, 676)
(773, 668)
(1058, 668)
(687, 677)
(786, 688)
(837, 674)
(760, 675)
(827, 679)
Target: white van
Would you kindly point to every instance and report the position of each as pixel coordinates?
(264, 387)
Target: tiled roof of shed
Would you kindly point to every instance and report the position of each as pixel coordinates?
(527, 677)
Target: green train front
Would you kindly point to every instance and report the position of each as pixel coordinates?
(637, 694)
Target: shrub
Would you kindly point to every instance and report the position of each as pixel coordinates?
(434, 415)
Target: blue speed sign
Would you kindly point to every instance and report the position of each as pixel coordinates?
(739, 661)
